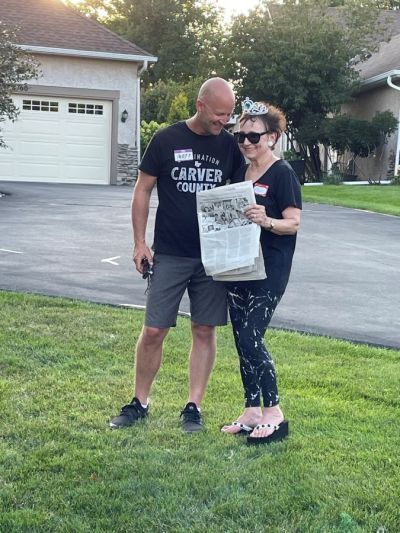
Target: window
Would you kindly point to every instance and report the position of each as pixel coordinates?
(40, 105)
(85, 109)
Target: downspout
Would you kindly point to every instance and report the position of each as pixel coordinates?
(393, 86)
(140, 71)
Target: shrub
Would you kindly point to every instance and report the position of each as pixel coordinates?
(334, 178)
(395, 180)
(291, 155)
(147, 130)
(179, 109)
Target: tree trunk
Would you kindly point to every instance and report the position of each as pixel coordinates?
(313, 162)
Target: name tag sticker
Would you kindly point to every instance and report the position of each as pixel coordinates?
(185, 154)
(260, 189)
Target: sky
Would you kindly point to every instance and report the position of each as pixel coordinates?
(235, 7)
(232, 7)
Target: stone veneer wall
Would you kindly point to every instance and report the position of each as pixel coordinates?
(127, 164)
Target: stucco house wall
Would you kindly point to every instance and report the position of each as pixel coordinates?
(80, 60)
(365, 106)
(375, 94)
(84, 73)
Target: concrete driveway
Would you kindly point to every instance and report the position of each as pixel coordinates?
(75, 241)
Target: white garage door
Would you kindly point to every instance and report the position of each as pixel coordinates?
(64, 140)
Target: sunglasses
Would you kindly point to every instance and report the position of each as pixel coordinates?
(252, 136)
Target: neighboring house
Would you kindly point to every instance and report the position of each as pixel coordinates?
(380, 91)
(80, 120)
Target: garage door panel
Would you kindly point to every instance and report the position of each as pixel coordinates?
(27, 162)
(46, 144)
(37, 149)
(58, 145)
(6, 170)
(8, 129)
(84, 131)
(34, 171)
(42, 130)
(38, 116)
(8, 152)
(93, 153)
(88, 162)
(89, 172)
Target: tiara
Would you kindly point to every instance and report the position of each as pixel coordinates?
(253, 108)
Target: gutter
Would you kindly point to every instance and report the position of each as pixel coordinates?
(87, 53)
(380, 79)
(397, 87)
(140, 71)
(389, 80)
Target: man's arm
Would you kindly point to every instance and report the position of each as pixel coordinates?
(139, 214)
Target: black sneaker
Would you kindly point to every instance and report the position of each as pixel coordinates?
(129, 415)
(191, 418)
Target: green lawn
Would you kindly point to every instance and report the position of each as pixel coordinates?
(66, 367)
(379, 198)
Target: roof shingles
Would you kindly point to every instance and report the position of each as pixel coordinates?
(52, 24)
(386, 59)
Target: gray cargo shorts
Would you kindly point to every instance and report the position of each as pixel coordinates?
(172, 276)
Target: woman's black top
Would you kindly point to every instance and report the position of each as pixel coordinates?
(277, 189)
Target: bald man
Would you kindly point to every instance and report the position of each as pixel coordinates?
(182, 159)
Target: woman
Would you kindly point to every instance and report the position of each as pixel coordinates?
(252, 303)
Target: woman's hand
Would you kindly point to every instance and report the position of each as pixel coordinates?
(287, 225)
(257, 214)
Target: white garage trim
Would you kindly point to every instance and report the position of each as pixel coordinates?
(95, 94)
(86, 94)
(88, 53)
(58, 139)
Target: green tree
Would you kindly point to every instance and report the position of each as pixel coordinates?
(301, 57)
(158, 98)
(185, 35)
(382, 4)
(360, 137)
(147, 130)
(96, 9)
(16, 67)
(179, 108)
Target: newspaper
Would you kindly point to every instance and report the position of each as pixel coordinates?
(229, 241)
(253, 272)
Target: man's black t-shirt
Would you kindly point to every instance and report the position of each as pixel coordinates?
(184, 163)
(277, 189)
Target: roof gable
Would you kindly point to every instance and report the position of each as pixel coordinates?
(52, 24)
(385, 60)
(387, 57)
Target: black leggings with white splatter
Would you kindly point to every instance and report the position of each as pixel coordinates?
(251, 310)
